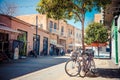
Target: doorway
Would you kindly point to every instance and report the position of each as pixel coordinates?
(36, 44)
(45, 46)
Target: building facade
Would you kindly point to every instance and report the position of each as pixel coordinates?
(115, 40)
(104, 51)
(26, 38)
(78, 38)
(112, 20)
(61, 34)
(70, 37)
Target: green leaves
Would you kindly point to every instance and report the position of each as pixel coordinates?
(61, 9)
(96, 32)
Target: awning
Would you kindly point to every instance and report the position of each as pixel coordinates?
(5, 28)
(76, 45)
(60, 46)
(97, 45)
(71, 44)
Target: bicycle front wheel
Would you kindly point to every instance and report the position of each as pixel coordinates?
(72, 68)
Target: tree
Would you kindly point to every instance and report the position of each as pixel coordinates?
(70, 9)
(8, 8)
(96, 33)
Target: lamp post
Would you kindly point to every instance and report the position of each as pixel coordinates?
(36, 34)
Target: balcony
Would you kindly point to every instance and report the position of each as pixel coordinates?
(62, 35)
(54, 31)
(70, 36)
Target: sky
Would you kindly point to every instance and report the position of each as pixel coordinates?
(25, 7)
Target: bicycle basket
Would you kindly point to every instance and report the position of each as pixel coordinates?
(73, 55)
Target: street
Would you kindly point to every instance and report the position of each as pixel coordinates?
(52, 68)
(16, 68)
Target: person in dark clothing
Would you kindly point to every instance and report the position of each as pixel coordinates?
(57, 51)
(32, 52)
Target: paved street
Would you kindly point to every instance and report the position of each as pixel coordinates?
(16, 68)
(52, 68)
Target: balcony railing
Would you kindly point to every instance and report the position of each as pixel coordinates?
(71, 36)
(62, 34)
(55, 31)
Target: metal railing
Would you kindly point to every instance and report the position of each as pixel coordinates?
(52, 30)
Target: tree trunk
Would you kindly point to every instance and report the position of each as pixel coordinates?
(98, 52)
(83, 46)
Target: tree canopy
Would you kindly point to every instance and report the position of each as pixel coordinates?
(96, 32)
(70, 9)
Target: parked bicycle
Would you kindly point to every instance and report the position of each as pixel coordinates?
(80, 64)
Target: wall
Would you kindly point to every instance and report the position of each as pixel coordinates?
(119, 39)
(98, 17)
(31, 19)
(31, 32)
(5, 20)
(78, 38)
(70, 37)
(114, 34)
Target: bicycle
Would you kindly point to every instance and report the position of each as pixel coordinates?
(79, 64)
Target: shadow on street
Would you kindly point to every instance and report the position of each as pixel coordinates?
(106, 73)
(109, 73)
(16, 68)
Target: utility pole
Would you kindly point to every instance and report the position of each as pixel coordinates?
(36, 34)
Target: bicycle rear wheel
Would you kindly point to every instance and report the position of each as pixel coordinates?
(72, 68)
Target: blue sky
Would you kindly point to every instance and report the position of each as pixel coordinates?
(28, 7)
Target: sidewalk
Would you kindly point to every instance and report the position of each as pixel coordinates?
(57, 72)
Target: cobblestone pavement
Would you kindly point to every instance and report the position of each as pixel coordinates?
(106, 71)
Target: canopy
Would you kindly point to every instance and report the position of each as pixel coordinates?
(97, 44)
(76, 44)
(60, 46)
(5, 28)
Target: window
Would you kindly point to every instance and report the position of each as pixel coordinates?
(71, 32)
(100, 48)
(50, 24)
(68, 32)
(107, 49)
(76, 35)
(55, 26)
(80, 36)
(100, 21)
(62, 29)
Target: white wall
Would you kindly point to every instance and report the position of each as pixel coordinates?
(113, 48)
(119, 39)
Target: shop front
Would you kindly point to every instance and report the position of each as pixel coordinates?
(53, 44)
(6, 42)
